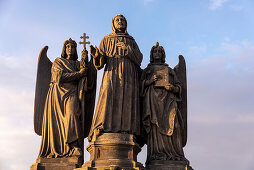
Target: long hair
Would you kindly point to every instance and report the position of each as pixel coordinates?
(70, 41)
(162, 51)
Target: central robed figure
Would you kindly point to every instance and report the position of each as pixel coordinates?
(117, 109)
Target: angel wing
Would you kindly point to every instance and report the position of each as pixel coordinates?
(41, 90)
(180, 70)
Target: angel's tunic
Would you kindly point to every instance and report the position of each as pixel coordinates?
(161, 119)
(118, 104)
(61, 122)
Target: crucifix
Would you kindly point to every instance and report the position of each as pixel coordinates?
(84, 60)
(84, 37)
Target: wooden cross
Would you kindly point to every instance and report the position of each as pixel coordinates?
(84, 37)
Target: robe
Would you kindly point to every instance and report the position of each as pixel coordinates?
(161, 118)
(61, 119)
(118, 104)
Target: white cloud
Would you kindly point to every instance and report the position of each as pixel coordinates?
(221, 107)
(19, 145)
(215, 4)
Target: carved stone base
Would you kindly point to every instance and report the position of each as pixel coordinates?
(113, 151)
(69, 163)
(168, 165)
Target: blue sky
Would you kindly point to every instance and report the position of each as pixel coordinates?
(215, 37)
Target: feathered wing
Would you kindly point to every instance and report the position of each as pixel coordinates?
(180, 70)
(41, 90)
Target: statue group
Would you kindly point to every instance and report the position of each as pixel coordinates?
(135, 107)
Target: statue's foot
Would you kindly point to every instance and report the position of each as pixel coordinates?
(76, 152)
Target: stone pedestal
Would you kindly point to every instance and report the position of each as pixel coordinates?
(113, 151)
(168, 165)
(68, 163)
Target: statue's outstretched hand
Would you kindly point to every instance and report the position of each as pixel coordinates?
(94, 51)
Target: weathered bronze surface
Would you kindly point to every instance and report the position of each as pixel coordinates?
(117, 109)
(116, 123)
(168, 165)
(64, 102)
(134, 107)
(164, 114)
(113, 151)
(66, 163)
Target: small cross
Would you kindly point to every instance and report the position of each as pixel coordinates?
(84, 37)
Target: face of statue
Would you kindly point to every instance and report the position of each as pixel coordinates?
(120, 23)
(70, 50)
(157, 54)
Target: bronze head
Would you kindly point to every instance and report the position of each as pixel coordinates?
(157, 53)
(119, 24)
(70, 49)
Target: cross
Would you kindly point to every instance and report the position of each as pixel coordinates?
(84, 37)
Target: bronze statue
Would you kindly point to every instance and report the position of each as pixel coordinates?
(134, 106)
(164, 116)
(64, 105)
(118, 107)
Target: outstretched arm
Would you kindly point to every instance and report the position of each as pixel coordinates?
(98, 58)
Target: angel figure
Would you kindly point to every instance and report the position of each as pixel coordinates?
(64, 106)
(164, 99)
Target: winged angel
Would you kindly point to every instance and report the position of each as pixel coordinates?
(64, 101)
(164, 118)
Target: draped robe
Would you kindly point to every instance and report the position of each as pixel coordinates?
(161, 119)
(118, 104)
(61, 119)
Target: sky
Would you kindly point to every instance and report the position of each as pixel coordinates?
(216, 37)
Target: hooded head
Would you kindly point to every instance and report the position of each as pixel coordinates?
(119, 24)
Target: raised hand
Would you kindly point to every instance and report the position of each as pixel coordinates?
(94, 51)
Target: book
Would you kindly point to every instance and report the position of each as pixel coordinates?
(163, 77)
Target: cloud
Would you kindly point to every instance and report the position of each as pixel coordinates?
(220, 105)
(215, 4)
(19, 145)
